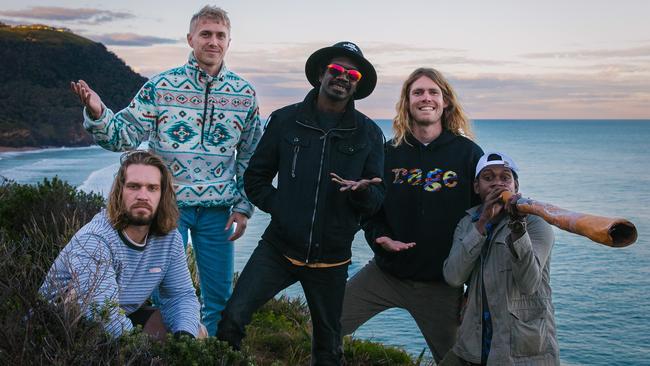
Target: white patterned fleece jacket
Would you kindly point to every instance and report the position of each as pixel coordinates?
(205, 128)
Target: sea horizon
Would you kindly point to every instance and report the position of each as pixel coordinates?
(10, 149)
(600, 293)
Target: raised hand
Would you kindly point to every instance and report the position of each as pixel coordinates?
(352, 185)
(88, 97)
(391, 245)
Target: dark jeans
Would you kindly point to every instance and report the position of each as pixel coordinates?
(267, 273)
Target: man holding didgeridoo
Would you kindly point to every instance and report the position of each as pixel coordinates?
(504, 258)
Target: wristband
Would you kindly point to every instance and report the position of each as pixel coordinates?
(517, 226)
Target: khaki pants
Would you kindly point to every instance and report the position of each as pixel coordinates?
(435, 306)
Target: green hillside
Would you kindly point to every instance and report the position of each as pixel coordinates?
(38, 62)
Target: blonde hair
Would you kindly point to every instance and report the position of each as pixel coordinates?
(454, 118)
(210, 12)
(166, 216)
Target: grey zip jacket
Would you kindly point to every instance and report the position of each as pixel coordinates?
(516, 277)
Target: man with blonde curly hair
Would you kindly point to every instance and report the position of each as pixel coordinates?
(429, 169)
(113, 264)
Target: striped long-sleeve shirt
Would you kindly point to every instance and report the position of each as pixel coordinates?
(111, 278)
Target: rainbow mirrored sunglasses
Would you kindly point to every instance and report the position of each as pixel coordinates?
(336, 70)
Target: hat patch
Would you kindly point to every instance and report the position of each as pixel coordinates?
(350, 46)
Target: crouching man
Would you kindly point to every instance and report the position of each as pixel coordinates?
(114, 263)
(504, 258)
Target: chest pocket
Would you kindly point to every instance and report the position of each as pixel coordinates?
(296, 144)
(349, 159)
(501, 253)
(351, 149)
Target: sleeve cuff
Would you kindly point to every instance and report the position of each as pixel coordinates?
(89, 120)
(245, 208)
(520, 246)
(360, 196)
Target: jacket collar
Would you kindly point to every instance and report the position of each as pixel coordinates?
(195, 72)
(307, 113)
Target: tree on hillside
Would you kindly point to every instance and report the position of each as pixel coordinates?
(36, 105)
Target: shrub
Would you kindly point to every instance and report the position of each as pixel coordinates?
(37, 221)
(52, 210)
(280, 333)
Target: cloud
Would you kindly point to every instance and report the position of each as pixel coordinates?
(149, 61)
(554, 96)
(507, 95)
(131, 39)
(9, 22)
(605, 89)
(53, 13)
(387, 48)
(643, 51)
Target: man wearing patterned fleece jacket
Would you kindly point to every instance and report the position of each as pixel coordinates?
(113, 264)
(203, 120)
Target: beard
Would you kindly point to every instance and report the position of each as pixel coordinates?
(133, 219)
(424, 122)
(336, 94)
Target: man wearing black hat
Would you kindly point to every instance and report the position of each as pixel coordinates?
(328, 158)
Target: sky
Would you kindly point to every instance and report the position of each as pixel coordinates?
(553, 59)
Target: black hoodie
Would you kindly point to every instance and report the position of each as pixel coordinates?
(428, 189)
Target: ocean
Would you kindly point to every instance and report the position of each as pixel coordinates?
(601, 167)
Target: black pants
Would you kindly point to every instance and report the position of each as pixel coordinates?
(269, 272)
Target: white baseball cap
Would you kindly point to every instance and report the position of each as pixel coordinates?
(496, 158)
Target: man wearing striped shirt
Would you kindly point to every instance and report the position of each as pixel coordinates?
(113, 264)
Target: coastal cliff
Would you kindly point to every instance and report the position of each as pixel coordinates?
(37, 108)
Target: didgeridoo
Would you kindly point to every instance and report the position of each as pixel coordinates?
(613, 232)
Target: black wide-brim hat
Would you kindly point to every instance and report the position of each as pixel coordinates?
(318, 60)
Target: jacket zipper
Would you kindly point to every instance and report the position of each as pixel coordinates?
(483, 258)
(481, 312)
(313, 216)
(211, 120)
(205, 109)
(320, 172)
